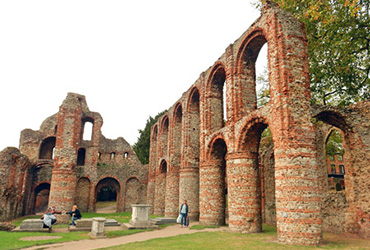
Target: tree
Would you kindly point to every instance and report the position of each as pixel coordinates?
(142, 146)
(338, 46)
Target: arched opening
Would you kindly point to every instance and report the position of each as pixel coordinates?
(163, 167)
(172, 178)
(336, 172)
(262, 78)
(133, 193)
(125, 156)
(81, 157)
(189, 172)
(253, 95)
(256, 167)
(47, 148)
(218, 190)
(164, 135)
(87, 129)
(160, 188)
(107, 195)
(217, 98)
(41, 197)
(335, 160)
(177, 134)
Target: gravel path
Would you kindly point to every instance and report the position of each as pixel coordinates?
(108, 242)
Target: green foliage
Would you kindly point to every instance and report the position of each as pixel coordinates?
(334, 145)
(142, 146)
(263, 90)
(338, 45)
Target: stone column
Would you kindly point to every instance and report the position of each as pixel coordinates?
(243, 193)
(212, 193)
(189, 190)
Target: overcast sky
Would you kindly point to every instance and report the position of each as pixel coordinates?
(130, 59)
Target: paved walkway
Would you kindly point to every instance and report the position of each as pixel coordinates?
(108, 242)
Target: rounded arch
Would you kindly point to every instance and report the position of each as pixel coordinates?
(333, 118)
(216, 88)
(249, 50)
(163, 167)
(193, 100)
(215, 137)
(164, 124)
(252, 128)
(177, 113)
(176, 137)
(108, 188)
(155, 133)
(47, 148)
(87, 128)
(246, 58)
(41, 194)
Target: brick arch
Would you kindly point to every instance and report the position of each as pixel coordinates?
(217, 136)
(246, 58)
(190, 99)
(47, 148)
(215, 97)
(160, 187)
(251, 128)
(213, 183)
(115, 183)
(333, 118)
(41, 194)
(176, 138)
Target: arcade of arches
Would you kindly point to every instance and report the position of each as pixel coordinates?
(243, 164)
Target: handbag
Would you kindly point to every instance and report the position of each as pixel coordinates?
(178, 220)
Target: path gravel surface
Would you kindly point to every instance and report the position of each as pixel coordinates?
(108, 242)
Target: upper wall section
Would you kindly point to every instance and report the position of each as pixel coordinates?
(288, 69)
(68, 127)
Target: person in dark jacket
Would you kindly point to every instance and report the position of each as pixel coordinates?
(184, 210)
(75, 215)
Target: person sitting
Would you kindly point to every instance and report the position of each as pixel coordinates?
(75, 215)
(48, 218)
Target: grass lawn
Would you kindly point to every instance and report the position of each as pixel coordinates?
(11, 240)
(225, 241)
(199, 240)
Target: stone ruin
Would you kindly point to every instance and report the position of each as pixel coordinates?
(57, 165)
(212, 157)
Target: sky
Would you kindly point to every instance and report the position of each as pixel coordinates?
(130, 59)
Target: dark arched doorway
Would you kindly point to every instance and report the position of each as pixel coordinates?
(107, 195)
(41, 197)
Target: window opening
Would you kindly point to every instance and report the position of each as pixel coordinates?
(81, 157)
(262, 77)
(87, 132)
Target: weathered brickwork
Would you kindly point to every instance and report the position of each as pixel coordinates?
(219, 159)
(57, 165)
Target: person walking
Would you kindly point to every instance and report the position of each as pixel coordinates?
(184, 210)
